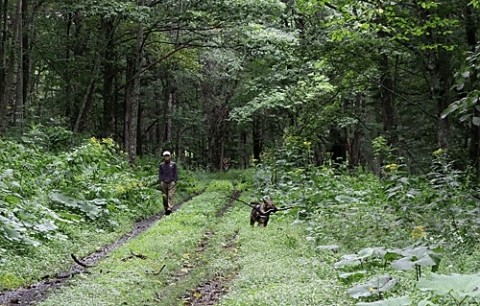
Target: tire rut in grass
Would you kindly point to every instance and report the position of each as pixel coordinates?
(231, 201)
(195, 260)
(190, 262)
(39, 291)
(210, 291)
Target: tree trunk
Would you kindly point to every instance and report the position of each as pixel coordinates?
(140, 135)
(108, 29)
(257, 138)
(441, 82)
(18, 62)
(132, 94)
(85, 108)
(13, 93)
(353, 141)
(26, 60)
(245, 151)
(168, 118)
(387, 99)
(68, 75)
(3, 65)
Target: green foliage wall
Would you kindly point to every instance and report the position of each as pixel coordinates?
(46, 193)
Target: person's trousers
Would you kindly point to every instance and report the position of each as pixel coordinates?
(168, 190)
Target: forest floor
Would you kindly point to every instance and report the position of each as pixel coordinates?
(38, 291)
(206, 253)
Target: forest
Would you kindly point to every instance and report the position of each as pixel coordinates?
(360, 118)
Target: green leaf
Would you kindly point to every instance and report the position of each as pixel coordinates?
(450, 109)
(7, 174)
(13, 199)
(346, 199)
(425, 261)
(465, 117)
(12, 234)
(417, 252)
(349, 260)
(476, 121)
(371, 252)
(66, 216)
(458, 285)
(373, 286)
(392, 255)
(352, 275)
(45, 226)
(63, 199)
(404, 264)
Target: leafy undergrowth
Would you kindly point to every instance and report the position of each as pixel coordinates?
(400, 240)
(170, 262)
(350, 238)
(56, 200)
(341, 244)
(259, 266)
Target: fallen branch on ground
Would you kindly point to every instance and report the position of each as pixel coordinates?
(132, 254)
(161, 269)
(253, 206)
(78, 262)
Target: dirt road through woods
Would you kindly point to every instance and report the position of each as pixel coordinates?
(39, 291)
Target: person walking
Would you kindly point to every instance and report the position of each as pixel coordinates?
(168, 175)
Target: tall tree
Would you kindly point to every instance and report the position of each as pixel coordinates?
(132, 91)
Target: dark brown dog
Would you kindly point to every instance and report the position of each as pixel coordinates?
(261, 212)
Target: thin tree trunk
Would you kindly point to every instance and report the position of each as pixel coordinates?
(132, 94)
(18, 64)
(108, 28)
(441, 84)
(353, 141)
(26, 59)
(387, 99)
(3, 65)
(131, 110)
(257, 139)
(222, 154)
(68, 81)
(140, 135)
(243, 140)
(87, 100)
(168, 118)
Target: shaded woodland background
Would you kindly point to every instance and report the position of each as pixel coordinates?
(225, 82)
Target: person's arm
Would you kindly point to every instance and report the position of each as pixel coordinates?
(160, 173)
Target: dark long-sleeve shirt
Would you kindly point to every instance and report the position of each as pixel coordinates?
(168, 172)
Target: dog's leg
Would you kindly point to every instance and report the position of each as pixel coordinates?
(252, 217)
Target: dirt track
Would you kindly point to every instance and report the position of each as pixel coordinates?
(39, 291)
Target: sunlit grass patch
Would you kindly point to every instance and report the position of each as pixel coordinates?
(277, 266)
(168, 247)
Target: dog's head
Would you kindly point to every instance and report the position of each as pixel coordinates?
(268, 206)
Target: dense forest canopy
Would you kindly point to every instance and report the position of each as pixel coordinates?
(223, 82)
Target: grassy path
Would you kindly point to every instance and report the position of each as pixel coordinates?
(202, 255)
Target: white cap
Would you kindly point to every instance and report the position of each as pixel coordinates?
(166, 153)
